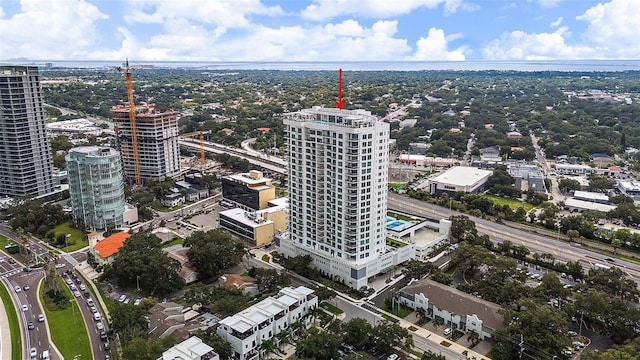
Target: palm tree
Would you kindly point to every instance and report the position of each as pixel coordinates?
(421, 314)
(473, 337)
(313, 312)
(283, 337)
(267, 347)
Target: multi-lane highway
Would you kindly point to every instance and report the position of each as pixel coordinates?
(500, 232)
(23, 287)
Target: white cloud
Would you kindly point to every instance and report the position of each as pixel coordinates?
(225, 13)
(519, 45)
(546, 3)
(612, 33)
(556, 23)
(327, 9)
(614, 26)
(434, 47)
(53, 29)
(318, 43)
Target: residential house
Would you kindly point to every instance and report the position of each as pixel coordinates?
(173, 199)
(491, 153)
(191, 349)
(105, 250)
(457, 309)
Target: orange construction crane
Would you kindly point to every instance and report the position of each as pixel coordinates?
(199, 134)
(126, 70)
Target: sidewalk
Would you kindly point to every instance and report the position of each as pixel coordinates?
(5, 335)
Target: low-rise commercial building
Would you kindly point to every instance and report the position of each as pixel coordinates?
(248, 190)
(572, 169)
(248, 329)
(630, 188)
(576, 205)
(259, 227)
(461, 311)
(591, 196)
(527, 177)
(459, 179)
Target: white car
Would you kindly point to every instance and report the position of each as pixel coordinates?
(25, 307)
(33, 353)
(392, 357)
(58, 266)
(17, 288)
(122, 298)
(137, 302)
(82, 287)
(77, 294)
(94, 309)
(99, 326)
(69, 281)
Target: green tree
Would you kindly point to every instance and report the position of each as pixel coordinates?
(213, 252)
(462, 228)
(319, 345)
(210, 337)
(267, 346)
(129, 322)
(573, 234)
(142, 262)
(357, 331)
(269, 280)
(146, 348)
(388, 335)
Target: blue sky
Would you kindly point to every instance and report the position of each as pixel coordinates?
(320, 30)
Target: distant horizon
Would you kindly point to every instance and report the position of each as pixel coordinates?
(355, 65)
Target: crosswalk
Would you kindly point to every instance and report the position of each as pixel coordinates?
(10, 273)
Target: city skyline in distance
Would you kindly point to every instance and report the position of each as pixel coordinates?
(320, 30)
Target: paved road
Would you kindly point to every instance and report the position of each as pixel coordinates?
(17, 279)
(499, 232)
(38, 337)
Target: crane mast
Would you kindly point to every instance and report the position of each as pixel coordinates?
(126, 70)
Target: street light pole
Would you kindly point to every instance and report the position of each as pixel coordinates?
(138, 282)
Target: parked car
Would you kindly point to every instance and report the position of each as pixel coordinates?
(99, 326)
(122, 298)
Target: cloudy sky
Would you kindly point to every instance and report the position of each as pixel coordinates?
(319, 30)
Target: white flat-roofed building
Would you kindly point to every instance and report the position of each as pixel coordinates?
(422, 160)
(573, 169)
(191, 349)
(246, 330)
(630, 188)
(75, 126)
(591, 196)
(459, 178)
(581, 205)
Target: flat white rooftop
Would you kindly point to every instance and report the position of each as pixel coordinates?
(590, 195)
(462, 176)
(588, 205)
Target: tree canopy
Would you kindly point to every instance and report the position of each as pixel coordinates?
(213, 251)
(142, 262)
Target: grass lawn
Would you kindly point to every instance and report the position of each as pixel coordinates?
(4, 241)
(67, 327)
(14, 325)
(77, 236)
(330, 308)
(175, 241)
(513, 204)
(395, 243)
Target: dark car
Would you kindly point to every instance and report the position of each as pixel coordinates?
(12, 261)
(31, 326)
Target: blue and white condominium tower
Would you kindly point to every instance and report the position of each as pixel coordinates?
(337, 166)
(96, 187)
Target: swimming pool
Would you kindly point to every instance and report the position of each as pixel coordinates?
(397, 225)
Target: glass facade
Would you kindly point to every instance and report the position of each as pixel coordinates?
(96, 187)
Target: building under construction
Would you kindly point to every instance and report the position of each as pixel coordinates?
(157, 139)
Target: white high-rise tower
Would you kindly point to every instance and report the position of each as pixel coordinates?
(337, 167)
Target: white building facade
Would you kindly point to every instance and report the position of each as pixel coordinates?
(246, 330)
(337, 166)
